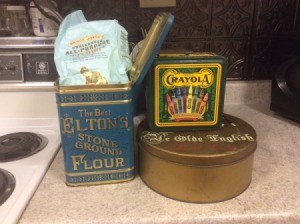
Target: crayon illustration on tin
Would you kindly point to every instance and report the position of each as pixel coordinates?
(186, 103)
(187, 94)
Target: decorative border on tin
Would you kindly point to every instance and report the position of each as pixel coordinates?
(186, 123)
(99, 172)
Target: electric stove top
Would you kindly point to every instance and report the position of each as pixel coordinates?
(27, 148)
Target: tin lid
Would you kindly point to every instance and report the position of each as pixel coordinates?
(153, 41)
(234, 141)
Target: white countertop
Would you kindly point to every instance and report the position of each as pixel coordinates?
(272, 197)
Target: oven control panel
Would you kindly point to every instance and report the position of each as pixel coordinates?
(11, 68)
(39, 67)
(27, 67)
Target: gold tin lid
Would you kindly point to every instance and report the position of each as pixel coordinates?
(234, 141)
(153, 41)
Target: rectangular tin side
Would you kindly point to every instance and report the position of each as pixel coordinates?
(96, 124)
(187, 92)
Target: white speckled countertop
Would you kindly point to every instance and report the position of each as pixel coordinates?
(273, 196)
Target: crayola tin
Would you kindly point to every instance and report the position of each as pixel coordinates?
(186, 91)
(96, 126)
(198, 166)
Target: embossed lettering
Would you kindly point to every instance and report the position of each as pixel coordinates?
(79, 162)
(70, 125)
(204, 78)
(231, 138)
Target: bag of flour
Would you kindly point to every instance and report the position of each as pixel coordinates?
(94, 52)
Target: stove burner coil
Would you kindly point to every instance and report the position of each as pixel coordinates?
(7, 185)
(20, 145)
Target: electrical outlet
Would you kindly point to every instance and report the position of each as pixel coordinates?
(157, 3)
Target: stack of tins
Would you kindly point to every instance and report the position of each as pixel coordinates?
(188, 149)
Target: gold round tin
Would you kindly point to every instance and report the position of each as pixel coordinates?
(198, 166)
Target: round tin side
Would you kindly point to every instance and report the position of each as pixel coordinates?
(202, 166)
(192, 183)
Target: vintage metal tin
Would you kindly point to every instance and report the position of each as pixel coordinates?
(96, 121)
(186, 91)
(198, 166)
(96, 126)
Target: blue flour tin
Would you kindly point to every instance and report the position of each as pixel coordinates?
(96, 126)
(96, 121)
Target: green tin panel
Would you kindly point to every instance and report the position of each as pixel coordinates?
(186, 92)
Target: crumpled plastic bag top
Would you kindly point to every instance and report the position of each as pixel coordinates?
(94, 52)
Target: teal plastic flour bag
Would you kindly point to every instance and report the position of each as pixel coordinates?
(91, 52)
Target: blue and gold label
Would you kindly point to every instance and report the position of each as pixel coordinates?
(97, 134)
